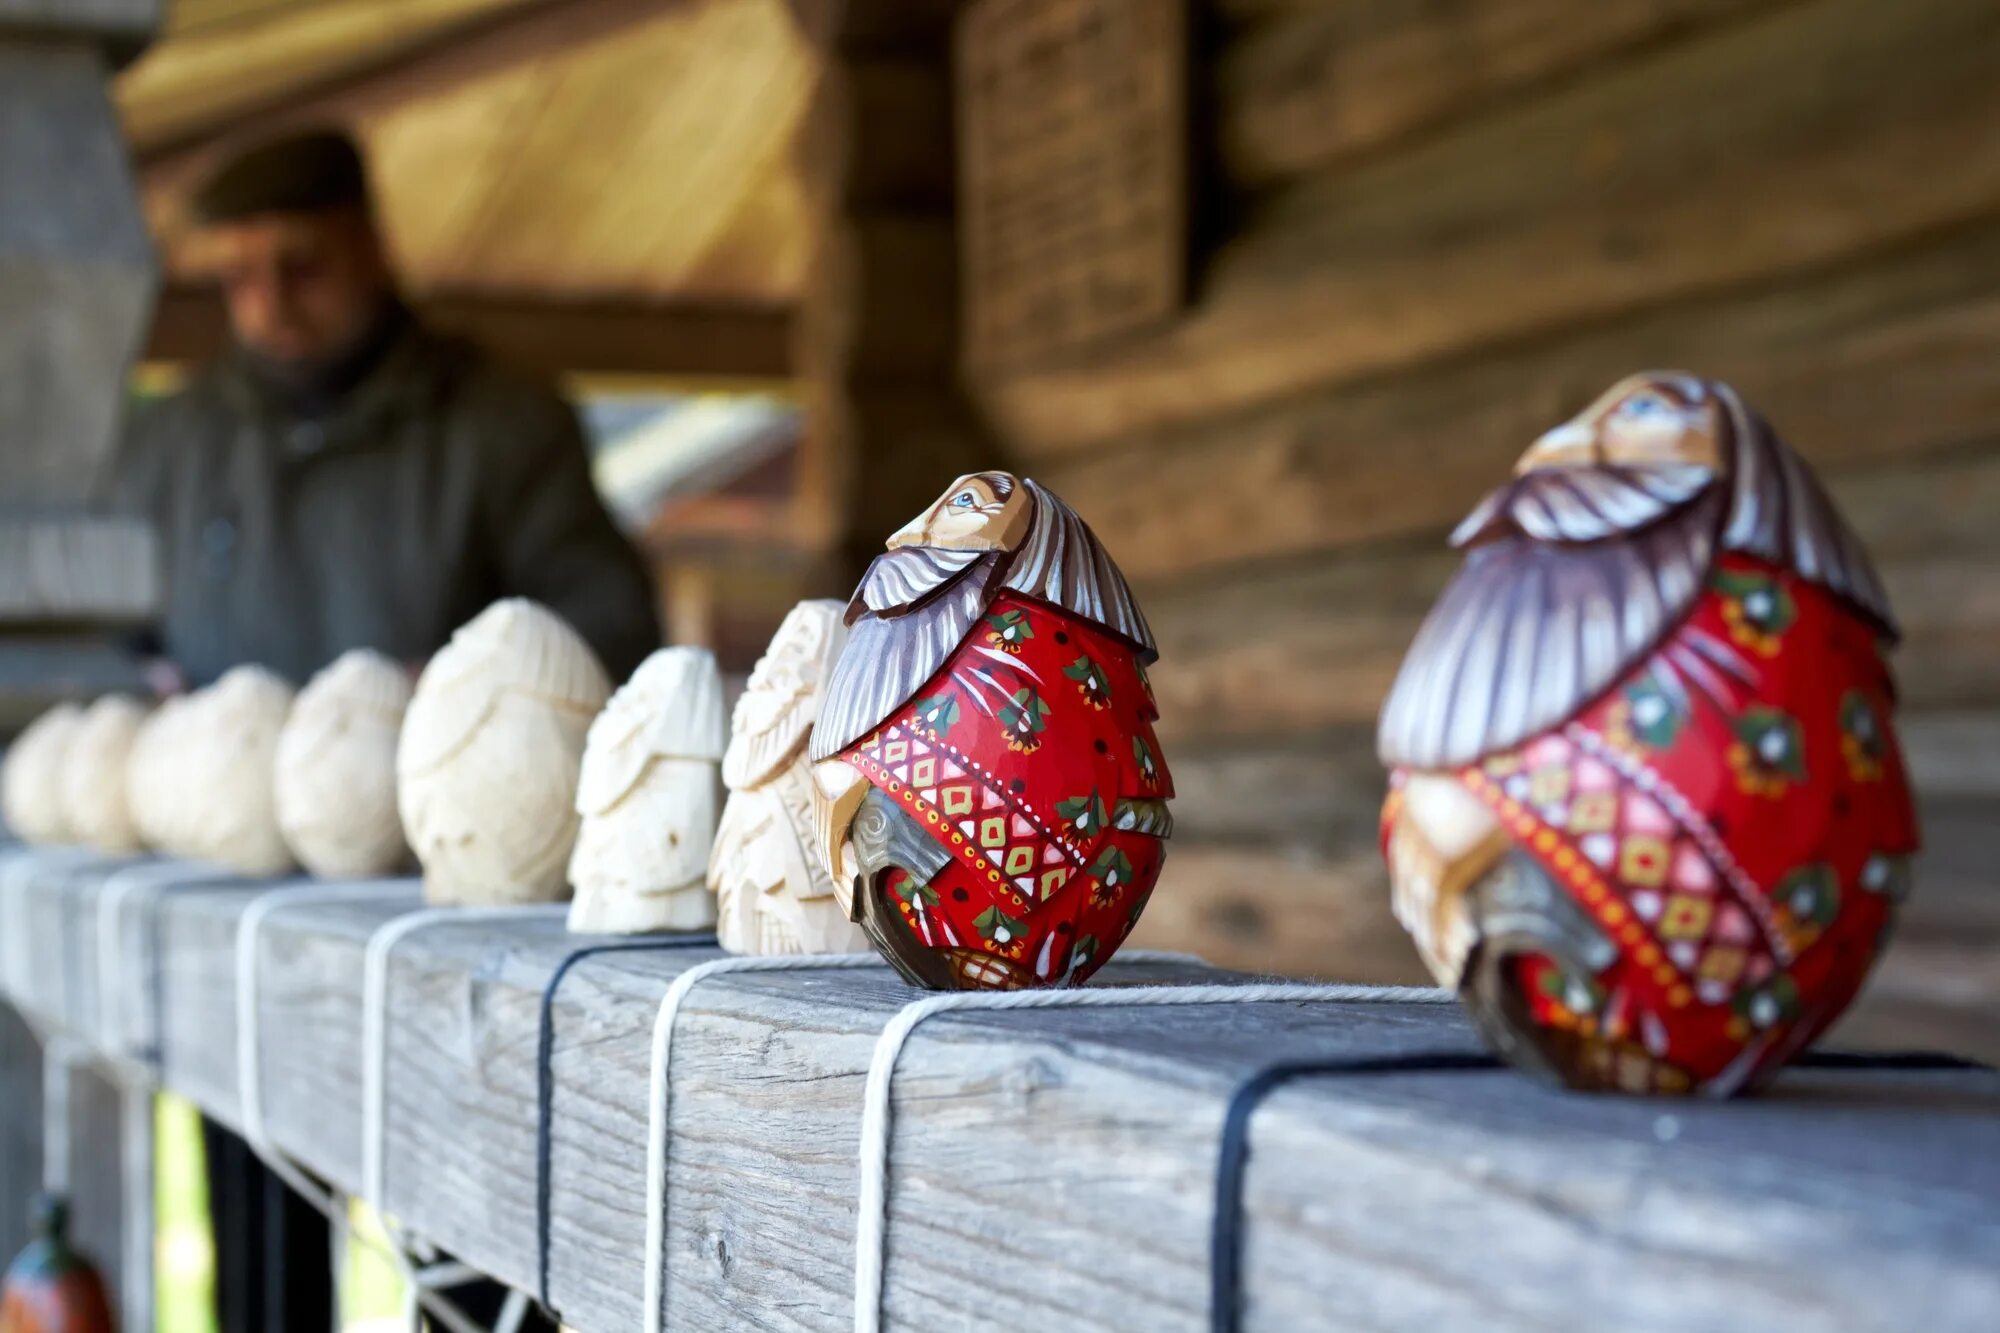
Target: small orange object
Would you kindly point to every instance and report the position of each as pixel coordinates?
(50, 1288)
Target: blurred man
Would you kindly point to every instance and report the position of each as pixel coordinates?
(343, 477)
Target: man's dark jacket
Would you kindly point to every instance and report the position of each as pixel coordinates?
(436, 484)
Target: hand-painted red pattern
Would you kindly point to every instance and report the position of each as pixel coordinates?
(1736, 817)
(1019, 757)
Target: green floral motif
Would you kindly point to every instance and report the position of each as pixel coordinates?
(916, 893)
(1574, 991)
(1086, 816)
(996, 927)
(1022, 718)
(1009, 630)
(1657, 717)
(1810, 894)
(1090, 681)
(1080, 957)
(938, 714)
(1149, 767)
(1776, 1001)
(1765, 604)
(1112, 868)
(1773, 741)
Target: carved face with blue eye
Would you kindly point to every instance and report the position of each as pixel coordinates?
(985, 511)
(1653, 420)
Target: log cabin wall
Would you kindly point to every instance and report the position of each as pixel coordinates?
(1444, 225)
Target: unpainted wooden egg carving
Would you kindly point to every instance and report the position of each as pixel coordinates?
(335, 773)
(94, 795)
(31, 783)
(650, 790)
(226, 745)
(774, 894)
(487, 766)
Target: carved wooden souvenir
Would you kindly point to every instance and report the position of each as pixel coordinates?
(1647, 813)
(486, 769)
(650, 789)
(988, 785)
(49, 1287)
(335, 772)
(31, 783)
(223, 781)
(152, 793)
(94, 798)
(772, 887)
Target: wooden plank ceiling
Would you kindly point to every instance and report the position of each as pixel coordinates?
(567, 152)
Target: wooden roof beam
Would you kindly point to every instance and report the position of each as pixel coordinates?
(556, 337)
(457, 53)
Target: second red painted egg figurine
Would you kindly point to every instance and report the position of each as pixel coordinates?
(992, 795)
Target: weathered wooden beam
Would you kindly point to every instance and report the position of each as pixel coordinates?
(551, 336)
(1312, 85)
(483, 43)
(1881, 362)
(1579, 205)
(1052, 1168)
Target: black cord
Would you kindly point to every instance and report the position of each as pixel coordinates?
(1226, 1235)
(545, 1088)
(1225, 1248)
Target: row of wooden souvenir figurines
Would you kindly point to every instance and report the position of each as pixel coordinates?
(1646, 811)
(511, 767)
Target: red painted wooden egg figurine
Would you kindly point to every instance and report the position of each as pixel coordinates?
(49, 1288)
(992, 798)
(1647, 813)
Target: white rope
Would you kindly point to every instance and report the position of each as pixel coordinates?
(60, 1056)
(657, 1097)
(876, 1123)
(374, 1022)
(419, 1283)
(150, 879)
(136, 1173)
(249, 1047)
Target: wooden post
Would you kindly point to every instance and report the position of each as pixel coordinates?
(20, 1128)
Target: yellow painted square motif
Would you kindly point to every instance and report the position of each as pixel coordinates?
(1643, 861)
(993, 832)
(1548, 784)
(1723, 963)
(923, 773)
(958, 800)
(1020, 860)
(1685, 918)
(1593, 812)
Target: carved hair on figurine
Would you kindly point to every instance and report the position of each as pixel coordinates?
(649, 794)
(94, 799)
(335, 773)
(771, 885)
(989, 789)
(226, 747)
(1647, 813)
(31, 783)
(486, 768)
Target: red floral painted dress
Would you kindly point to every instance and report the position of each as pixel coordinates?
(1029, 757)
(1736, 818)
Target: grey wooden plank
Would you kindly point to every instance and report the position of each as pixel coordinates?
(1052, 1168)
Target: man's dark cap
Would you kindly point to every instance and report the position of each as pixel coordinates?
(313, 172)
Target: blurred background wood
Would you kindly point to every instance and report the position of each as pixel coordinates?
(1435, 230)
(1418, 233)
